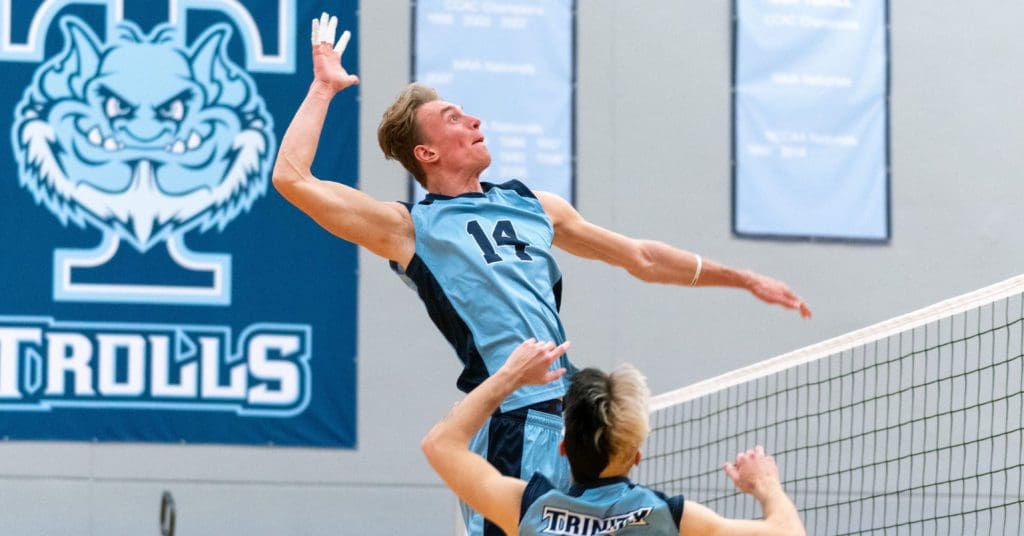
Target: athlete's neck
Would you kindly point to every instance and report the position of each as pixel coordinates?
(454, 184)
(621, 466)
(613, 473)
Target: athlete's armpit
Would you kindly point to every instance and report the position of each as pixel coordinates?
(384, 228)
(581, 238)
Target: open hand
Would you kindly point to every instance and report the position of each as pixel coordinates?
(327, 69)
(776, 292)
(753, 472)
(531, 361)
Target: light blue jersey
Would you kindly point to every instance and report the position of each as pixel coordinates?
(484, 270)
(608, 506)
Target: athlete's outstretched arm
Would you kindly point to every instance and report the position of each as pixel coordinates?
(657, 262)
(471, 477)
(756, 474)
(383, 228)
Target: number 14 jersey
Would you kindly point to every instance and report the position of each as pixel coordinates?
(484, 270)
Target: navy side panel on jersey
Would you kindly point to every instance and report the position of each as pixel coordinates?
(447, 320)
(484, 270)
(608, 506)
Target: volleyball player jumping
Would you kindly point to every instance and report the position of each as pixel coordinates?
(477, 254)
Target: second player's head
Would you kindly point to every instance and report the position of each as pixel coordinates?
(430, 136)
(606, 421)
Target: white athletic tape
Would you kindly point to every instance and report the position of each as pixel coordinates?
(343, 42)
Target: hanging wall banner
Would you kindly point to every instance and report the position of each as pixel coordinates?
(810, 119)
(153, 286)
(512, 64)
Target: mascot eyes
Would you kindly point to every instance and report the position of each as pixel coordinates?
(116, 108)
(173, 110)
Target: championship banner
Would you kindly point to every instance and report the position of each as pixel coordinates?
(513, 65)
(153, 285)
(811, 119)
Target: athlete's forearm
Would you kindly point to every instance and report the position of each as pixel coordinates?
(469, 415)
(779, 511)
(300, 141)
(529, 364)
(657, 262)
(666, 264)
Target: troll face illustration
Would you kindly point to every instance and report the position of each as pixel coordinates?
(143, 136)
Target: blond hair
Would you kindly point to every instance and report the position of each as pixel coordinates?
(606, 419)
(399, 133)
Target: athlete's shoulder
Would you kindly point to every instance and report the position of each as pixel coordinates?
(675, 504)
(537, 487)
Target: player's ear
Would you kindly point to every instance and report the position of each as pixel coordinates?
(561, 448)
(636, 459)
(425, 154)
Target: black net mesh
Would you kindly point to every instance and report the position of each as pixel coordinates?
(915, 433)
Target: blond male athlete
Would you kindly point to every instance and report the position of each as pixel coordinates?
(606, 422)
(477, 254)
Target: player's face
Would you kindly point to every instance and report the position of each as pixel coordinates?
(454, 135)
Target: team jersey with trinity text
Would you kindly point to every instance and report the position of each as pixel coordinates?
(484, 270)
(607, 506)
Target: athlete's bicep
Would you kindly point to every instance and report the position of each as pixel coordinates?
(483, 488)
(581, 238)
(383, 228)
(699, 520)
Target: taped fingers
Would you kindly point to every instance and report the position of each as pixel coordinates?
(325, 22)
(332, 28)
(343, 42)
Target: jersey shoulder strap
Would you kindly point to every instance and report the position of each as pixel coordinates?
(538, 486)
(675, 505)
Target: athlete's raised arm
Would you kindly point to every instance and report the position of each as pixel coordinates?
(384, 228)
(471, 477)
(657, 262)
(754, 473)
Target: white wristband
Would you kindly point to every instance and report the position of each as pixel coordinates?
(696, 274)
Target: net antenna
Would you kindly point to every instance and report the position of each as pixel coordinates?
(912, 425)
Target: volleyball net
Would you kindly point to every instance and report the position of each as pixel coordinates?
(910, 426)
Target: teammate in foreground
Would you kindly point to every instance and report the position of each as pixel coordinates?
(606, 421)
(477, 254)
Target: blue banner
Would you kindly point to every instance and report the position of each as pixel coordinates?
(810, 113)
(512, 64)
(153, 286)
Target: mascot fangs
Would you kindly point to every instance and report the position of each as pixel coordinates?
(143, 136)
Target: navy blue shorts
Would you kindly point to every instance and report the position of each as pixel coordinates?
(520, 443)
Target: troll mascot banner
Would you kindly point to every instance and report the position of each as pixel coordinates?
(153, 286)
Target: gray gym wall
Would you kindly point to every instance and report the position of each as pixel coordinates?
(653, 148)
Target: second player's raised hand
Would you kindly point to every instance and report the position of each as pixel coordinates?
(327, 68)
(753, 471)
(530, 363)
